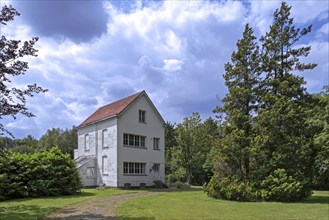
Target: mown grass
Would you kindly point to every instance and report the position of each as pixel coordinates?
(36, 208)
(196, 205)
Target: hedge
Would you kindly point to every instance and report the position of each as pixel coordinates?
(46, 173)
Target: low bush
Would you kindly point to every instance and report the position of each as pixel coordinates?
(275, 187)
(46, 173)
(231, 189)
(179, 185)
(281, 187)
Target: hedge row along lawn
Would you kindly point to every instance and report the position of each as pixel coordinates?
(195, 204)
(36, 208)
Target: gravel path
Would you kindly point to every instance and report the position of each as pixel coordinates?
(98, 208)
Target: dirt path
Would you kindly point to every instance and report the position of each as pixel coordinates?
(98, 208)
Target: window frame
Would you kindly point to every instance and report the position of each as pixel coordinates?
(92, 176)
(134, 140)
(104, 165)
(87, 142)
(134, 168)
(142, 116)
(156, 167)
(104, 131)
(156, 143)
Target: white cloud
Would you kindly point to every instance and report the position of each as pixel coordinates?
(141, 50)
(172, 65)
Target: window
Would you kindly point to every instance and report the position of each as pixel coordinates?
(156, 167)
(87, 142)
(156, 142)
(132, 140)
(142, 116)
(104, 136)
(134, 168)
(90, 172)
(104, 165)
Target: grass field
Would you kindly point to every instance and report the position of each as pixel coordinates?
(36, 208)
(196, 205)
(188, 204)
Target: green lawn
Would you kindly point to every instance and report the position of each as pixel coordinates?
(196, 205)
(35, 208)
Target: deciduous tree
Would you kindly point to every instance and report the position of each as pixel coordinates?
(13, 99)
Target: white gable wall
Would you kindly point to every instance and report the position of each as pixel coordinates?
(129, 123)
(95, 132)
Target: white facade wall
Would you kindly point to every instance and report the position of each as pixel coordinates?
(129, 123)
(88, 181)
(108, 175)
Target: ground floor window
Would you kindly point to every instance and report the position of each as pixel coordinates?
(104, 165)
(134, 168)
(90, 172)
(156, 167)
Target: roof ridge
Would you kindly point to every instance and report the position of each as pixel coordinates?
(111, 109)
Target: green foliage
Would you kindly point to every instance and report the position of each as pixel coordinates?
(320, 124)
(187, 159)
(281, 187)
(46, 173)
(13, 99)
(66, 140)
(266, 150)
(231, 189)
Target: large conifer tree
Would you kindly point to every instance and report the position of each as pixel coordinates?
(281, 120)
(241, 77)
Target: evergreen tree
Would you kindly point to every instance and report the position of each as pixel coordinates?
(281, 120)
(240, 104)
(265, 152)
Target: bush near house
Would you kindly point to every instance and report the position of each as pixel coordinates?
(46, 173)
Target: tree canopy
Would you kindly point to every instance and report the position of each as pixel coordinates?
(13, 99)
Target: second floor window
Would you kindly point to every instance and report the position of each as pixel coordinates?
(87, 142)
(134, 140)
(104, 136)
(156, 145)
(142, 116)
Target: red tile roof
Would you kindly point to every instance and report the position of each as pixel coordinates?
(110, 110)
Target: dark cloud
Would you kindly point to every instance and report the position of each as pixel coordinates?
(78, 20)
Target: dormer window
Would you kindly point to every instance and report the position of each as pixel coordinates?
(142, 116)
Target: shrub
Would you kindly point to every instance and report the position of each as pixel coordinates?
(281, 187)
(179, 185)
(276, 187)
(231, 189)
(47, 173)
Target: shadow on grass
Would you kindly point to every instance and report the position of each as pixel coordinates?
(23, 212)
(83, 194)
(317, 199)
(166, 189)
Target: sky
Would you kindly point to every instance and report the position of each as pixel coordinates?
(92, 53)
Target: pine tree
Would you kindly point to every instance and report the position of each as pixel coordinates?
(240, 104)
(281, 120)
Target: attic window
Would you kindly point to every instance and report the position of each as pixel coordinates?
(142, 116)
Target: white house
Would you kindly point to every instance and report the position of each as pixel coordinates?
(122, 144)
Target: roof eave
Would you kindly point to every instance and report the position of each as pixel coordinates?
(97, 121)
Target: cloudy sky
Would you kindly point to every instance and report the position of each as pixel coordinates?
(94, 52)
